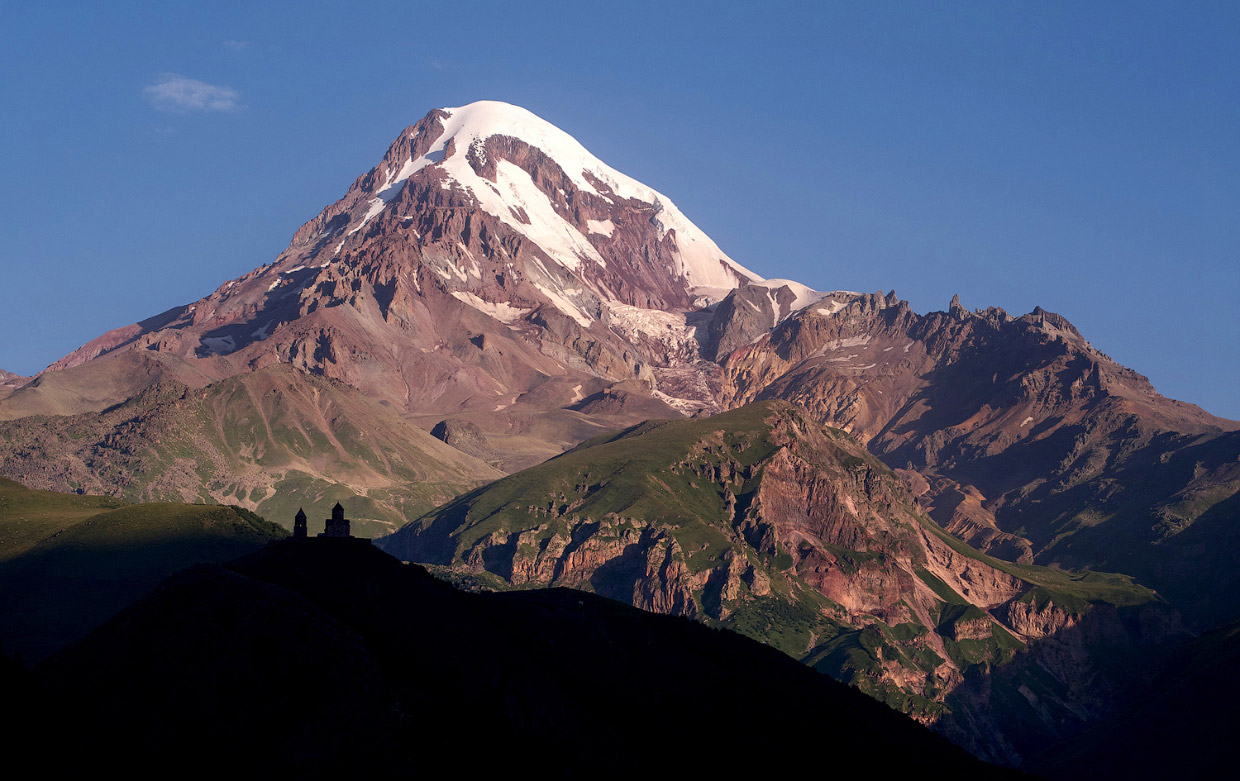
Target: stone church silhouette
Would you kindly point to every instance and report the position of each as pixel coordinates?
(336, 526)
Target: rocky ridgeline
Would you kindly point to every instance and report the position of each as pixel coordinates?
(1014, 433)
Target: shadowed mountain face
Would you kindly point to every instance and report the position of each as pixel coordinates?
(1180, 722)
(317, 657)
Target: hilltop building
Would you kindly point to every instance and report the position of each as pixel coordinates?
(337, 525)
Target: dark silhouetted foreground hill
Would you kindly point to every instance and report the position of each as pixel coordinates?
(317, 658)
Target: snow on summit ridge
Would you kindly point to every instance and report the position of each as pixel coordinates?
(486, 118)
(700, 261)
(486, 251)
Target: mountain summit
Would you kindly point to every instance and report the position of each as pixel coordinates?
(483, 226)
(493, 285)
(540, 182)
(516, 296)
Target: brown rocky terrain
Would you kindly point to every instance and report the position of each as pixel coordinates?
(10, 382)
(763, 521)
(492, 283)
(1016, 433)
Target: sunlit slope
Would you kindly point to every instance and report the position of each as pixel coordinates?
(272, 441)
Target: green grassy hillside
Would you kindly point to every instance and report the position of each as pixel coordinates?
(81, 573)
(626, 473)
(763, 521)
(271, 441)
(27, 516)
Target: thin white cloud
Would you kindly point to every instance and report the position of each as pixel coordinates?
(236, 45)
(178, 94)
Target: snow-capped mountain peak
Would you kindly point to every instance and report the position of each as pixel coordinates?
(519, 196)
(481, 225)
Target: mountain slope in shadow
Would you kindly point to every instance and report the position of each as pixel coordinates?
(1181, 722)
(317, 657)
(81, 571)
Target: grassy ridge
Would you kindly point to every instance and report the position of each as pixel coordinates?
(82, 572)
(1075, 588)
(27, 516)
(695, 481)
(625, 474)
(135, 537)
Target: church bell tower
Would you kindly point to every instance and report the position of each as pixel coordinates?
(337, 525)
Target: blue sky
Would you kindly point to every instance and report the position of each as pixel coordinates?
(1084, 157)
